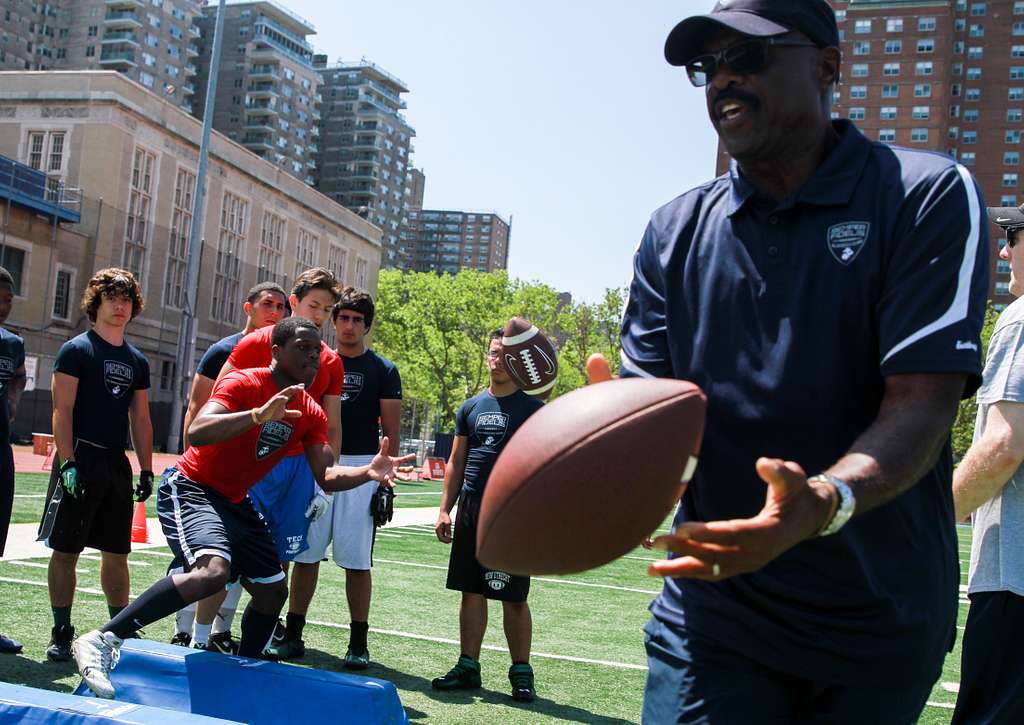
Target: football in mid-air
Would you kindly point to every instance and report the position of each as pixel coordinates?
(587, 477)
(529, 357)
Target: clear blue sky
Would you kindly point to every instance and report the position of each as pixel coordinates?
(561, 113)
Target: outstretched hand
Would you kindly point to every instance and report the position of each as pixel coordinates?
(383, 467)
(793, 510)
(277, 407)
(598, 369)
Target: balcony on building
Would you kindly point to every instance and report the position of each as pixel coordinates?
(194, 31)
(258, 142)
(264, 72)
(122, 19)
(190, 69)
(262, 107)
(126, 37)
(22, 185)
(263, 90)
(268, 31)
(191, 50)
(125, 4)
(188, 89)
(118, 57)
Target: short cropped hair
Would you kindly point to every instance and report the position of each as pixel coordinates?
(109, 282)
(262, 287)
(495, 335)
(288, 328)
(6, 278)
(316, 278)
(356, 300)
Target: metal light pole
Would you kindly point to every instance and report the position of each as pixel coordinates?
(187, 332)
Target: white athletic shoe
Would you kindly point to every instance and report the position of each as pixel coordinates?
(96, 654)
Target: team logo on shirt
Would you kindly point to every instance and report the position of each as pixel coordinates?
(497, 580)
(847, 239)
(273, 435)
(117, 377)
(352, 386)
(491, 427)
(6, 371)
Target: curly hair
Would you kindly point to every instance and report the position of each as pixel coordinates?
(316, 278)
(110, 282)
(356, 300)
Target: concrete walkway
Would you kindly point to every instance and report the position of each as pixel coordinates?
(22, 544)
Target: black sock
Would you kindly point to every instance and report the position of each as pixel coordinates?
(294, 624)
(113, 611)
(155, 603)
(357, 636)
(61, 615)
(256, 631)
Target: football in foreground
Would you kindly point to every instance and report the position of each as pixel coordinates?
(529, 358)
(590, 475)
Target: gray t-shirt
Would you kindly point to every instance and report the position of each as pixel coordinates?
(997, 544)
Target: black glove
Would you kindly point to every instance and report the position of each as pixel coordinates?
(382, 505)
(70, 481)
(144, 488)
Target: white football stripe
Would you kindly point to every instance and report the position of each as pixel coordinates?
(521, 337)
(544, 389)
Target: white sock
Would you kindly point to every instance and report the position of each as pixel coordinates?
(226, 615)
(202, 633)
(184, 617)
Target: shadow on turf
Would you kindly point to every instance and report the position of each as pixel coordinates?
(20, 670)
(543, 706)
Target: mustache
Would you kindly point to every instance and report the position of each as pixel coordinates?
(735, 94)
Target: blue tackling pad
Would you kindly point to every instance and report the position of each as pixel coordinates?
(28, 705)
(246, 690)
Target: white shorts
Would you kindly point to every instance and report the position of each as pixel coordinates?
(347, 522)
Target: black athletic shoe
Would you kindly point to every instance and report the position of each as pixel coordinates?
(201, 646)
(182, 639)
(521, 677)
(465, 675)
(61, 637)
(223, 642)
(357, 660)
(9, 646)
(289, 648)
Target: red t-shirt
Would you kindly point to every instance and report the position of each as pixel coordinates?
(253, 351)
(234, 466)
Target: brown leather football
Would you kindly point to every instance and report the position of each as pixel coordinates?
(590, 475)
(529, 357)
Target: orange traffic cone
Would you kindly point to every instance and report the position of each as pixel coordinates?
(140, 532)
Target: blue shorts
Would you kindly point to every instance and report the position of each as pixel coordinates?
(692, 679)
(283, 496)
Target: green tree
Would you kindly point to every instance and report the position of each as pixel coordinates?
(963, 426)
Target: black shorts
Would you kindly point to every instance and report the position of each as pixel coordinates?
(198, 521)
(465, 573)
(102, 519)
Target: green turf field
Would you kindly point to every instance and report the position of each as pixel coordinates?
(29, 497)
(588, 651)
(416, 494)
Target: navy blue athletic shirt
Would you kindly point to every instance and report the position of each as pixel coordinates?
(216, 355)
(108, 377)
(369, 379)
(488, 422)
(12, 357)
(789, 315)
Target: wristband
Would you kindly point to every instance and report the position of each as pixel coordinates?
(254, 416)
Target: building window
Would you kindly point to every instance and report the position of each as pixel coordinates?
(925, 24)
(923, 90)
(890, 91)
(919, 135)
(1012, 136)
(970, 137)
(140, 201)
(887, 113)
(862, 26)
(926, 45)
(1010, 179)
(920, 113)
(954, 111)
(957, 69)
(1014, 114)
(13, 260)
(62, 293)
(862, 47)
(958, 47)
(894, 25)
(859, 70)
(271, 255)
(46, 153)
(1002, 288)
(362, 273)
(977, 31)
(891, 69)
(856, 114)
(1015, 94)
(971, 115)
(234, 218)
(975, 52)
(967, 158)
(893, 47)
(977, 9)
(181, 230)
(1018, 8)
(972, 94)
(337, 261)
(954, 90)
(307, 251)
(973, 74)
(1011, 158)
(858, 91)
(1018, 29)
(887, 135)
(953, 133)
(923, 69)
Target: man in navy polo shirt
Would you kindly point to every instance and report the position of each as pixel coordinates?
(827, 294)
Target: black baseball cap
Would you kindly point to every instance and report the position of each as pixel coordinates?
(757, 18)
(1008, 217)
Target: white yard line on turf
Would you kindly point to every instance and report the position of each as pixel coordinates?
(30, 495)
(492, 648)
(943, 705)
(38, 565)
(85, 590)
(535, 578)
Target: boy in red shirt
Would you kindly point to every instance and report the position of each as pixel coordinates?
(241, 433)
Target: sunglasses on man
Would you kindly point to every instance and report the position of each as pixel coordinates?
(746, 57)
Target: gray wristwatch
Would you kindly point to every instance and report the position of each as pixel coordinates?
(847, 503)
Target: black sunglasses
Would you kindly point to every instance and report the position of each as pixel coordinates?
(745, 57)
